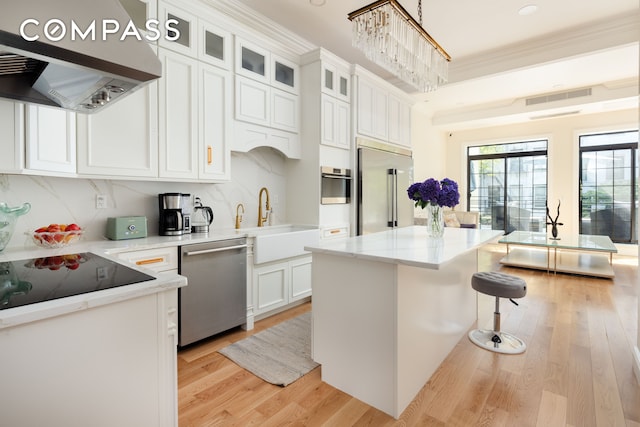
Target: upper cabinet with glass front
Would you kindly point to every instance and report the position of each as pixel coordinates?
(285, 74)
(259, 64)
(252, 61)
(214, 45)
(336, 81)
(183, 38)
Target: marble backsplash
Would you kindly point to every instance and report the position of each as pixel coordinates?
(67, 200)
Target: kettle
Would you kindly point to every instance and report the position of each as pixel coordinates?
(201, 218)
(8, 218)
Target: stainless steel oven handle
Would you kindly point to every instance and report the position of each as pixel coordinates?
(209, 251)
(336, 176)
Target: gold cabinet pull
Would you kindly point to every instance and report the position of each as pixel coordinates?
(149, 261)
(209, 155)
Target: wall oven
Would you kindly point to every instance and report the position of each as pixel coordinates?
(335, 185)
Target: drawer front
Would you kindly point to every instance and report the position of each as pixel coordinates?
(162, 259)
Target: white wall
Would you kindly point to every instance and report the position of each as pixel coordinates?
(66, 200)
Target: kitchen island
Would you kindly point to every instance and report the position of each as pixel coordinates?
(388, 308)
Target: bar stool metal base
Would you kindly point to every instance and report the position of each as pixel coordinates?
(500, 342)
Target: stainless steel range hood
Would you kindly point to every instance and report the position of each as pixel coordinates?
(82, 71)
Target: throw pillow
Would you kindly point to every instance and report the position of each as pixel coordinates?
(451, 220)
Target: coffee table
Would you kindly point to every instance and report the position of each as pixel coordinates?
(577, 254)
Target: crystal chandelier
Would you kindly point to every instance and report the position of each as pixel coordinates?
(391, 38)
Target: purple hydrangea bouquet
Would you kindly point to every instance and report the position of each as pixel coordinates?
(433, 195)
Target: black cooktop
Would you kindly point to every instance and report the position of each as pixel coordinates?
(36, 280)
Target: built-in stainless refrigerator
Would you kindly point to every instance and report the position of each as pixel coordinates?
(384, 174)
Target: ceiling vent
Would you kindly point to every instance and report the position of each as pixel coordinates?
(578, 93)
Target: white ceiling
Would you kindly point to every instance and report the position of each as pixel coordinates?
(498, 56)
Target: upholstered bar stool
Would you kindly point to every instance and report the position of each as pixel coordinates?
(499, 285)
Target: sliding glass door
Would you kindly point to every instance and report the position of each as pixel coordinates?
(609, 185)
(508, 185)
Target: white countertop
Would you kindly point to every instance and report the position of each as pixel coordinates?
(109, 249)
(409, 246)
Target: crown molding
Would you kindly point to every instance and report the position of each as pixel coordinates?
(619, 31)
(268, 30)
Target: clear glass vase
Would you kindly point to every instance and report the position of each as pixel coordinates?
(435, 220)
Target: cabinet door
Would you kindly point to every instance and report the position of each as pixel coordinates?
(394, 119)
(271, 282)
(12, 136)
(252, 101)
(252, 61)
(215, 122)
(50, 139)
(334, 122)
(343, 124)
(405, 125)
(300, 273)
(372, 110)
(336, 82)
(214, 45)
(284, 111)
(178, 118)
(187, 41)
(122, 140)
(285, 75)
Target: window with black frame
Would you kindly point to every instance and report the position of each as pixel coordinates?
(508, 185)
(609, 185)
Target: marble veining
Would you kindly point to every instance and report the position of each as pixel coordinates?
(66, 200)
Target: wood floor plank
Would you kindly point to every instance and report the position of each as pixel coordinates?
(553, 410)
(579, 333)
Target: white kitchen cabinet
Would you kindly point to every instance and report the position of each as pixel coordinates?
(178, 116)
(285, 74)
(285, 111)
(266, 94)
(335, 122)
(215, 45)
(159, 259)
(399, 122)
(300, 278)
(194, 118)
(117, 364)
(278, 284)
(11, 136)
(50, 140)
(252, 61)
(187, 25)
(215, 118)
(122, 140)
(252, 101)
(264, 105)
(381, 111)
(336, 81)
(372, 110)
(248, 136)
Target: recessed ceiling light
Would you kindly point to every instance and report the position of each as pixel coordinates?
(317, 2)
(528, 10)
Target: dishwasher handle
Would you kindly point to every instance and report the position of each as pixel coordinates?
(210, 251)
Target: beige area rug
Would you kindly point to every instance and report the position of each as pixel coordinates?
(279, 355)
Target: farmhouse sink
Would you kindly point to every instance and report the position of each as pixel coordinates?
(282, 241)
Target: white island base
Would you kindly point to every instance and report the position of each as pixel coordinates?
(381, 329)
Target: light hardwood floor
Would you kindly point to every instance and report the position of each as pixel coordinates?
(577, 370)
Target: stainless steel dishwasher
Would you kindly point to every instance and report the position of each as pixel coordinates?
(215, 298)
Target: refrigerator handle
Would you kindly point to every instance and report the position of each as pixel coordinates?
(392, 202)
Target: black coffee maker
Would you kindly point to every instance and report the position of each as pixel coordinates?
(171, 218)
